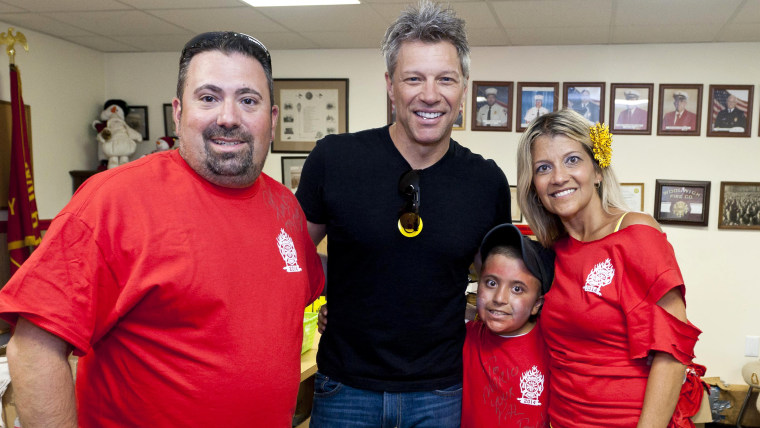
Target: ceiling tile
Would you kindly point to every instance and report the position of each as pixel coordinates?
(289, 40)
(664, 34)
(244, 19)
(674, 12)
(7, 8)
(559, 36)
(44, 24)
(102, 44)
(318, 18)
(118, 23)
(553, 13)
(749, 13)
(345, 39)
(475, 15)
(156, 43)
(67, 5)
(739, 33)
(175, 4)
(477, 36)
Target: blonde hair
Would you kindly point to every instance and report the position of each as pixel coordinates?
(547, 226)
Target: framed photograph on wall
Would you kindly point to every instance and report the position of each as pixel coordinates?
(491, 106)
(682, 202)
(680, 110)
(535, 99)
(739, 205)
(309, 110)
(137, 119)
(587, 98)
(729, 112)
(169, 129)
(458, 124)
(631, 108)
(291, 171)
(633, 195)
(515, 207)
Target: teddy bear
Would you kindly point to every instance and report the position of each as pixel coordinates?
(116, 138)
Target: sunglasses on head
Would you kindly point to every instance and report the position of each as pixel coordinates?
(409, 216)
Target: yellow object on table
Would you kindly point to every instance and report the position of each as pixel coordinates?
(309, 327)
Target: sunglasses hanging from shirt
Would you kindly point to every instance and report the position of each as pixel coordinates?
(409, 220)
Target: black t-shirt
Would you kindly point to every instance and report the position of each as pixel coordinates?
(396, 304)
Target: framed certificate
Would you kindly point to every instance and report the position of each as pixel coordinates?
(633, 194)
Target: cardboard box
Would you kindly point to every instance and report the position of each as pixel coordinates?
(735, 394)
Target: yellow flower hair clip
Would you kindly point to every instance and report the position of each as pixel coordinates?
(601, 140)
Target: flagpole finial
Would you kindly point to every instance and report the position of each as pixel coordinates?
(9, 40)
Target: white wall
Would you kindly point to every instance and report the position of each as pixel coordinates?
(63, 83)
(718, 266)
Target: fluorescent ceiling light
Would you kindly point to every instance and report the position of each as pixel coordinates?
(270, 3)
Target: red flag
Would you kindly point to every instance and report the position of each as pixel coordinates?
(23, 219)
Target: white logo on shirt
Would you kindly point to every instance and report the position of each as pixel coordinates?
(600, 276)
(531, 386)
(288, 252)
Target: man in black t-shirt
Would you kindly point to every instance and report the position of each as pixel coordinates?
(404, 208)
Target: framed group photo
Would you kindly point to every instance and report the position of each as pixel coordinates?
(680, 110)
(491, 106)
(739, 205)
(587, 98)
(310, 109)
(682, 202)
(291, 171)
(631, 108)
(137, 119)
(730, 110)
(535, 99)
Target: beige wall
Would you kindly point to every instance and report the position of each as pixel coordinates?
(66, 86)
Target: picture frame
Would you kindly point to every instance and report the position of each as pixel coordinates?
(586, 98)
(515, 205)
(137, 119)
(291, 171)
(738, 196)
(458, 124)
(528, 95)
(491, 106)
(633, 195)
(682, 202)
(391, 110)
(169, 129)
(310, 109)
(729, 110)
(631, 108)
(686, 122)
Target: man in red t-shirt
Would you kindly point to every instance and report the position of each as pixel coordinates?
(179, 279)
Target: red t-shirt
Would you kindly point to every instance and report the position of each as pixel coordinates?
(601, 322)
(506, 379)
(184, 299)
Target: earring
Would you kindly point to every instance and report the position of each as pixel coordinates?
(598, 184)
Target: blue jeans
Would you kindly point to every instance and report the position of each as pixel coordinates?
(337, 405)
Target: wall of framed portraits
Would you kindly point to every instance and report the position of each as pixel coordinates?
(717, 263)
